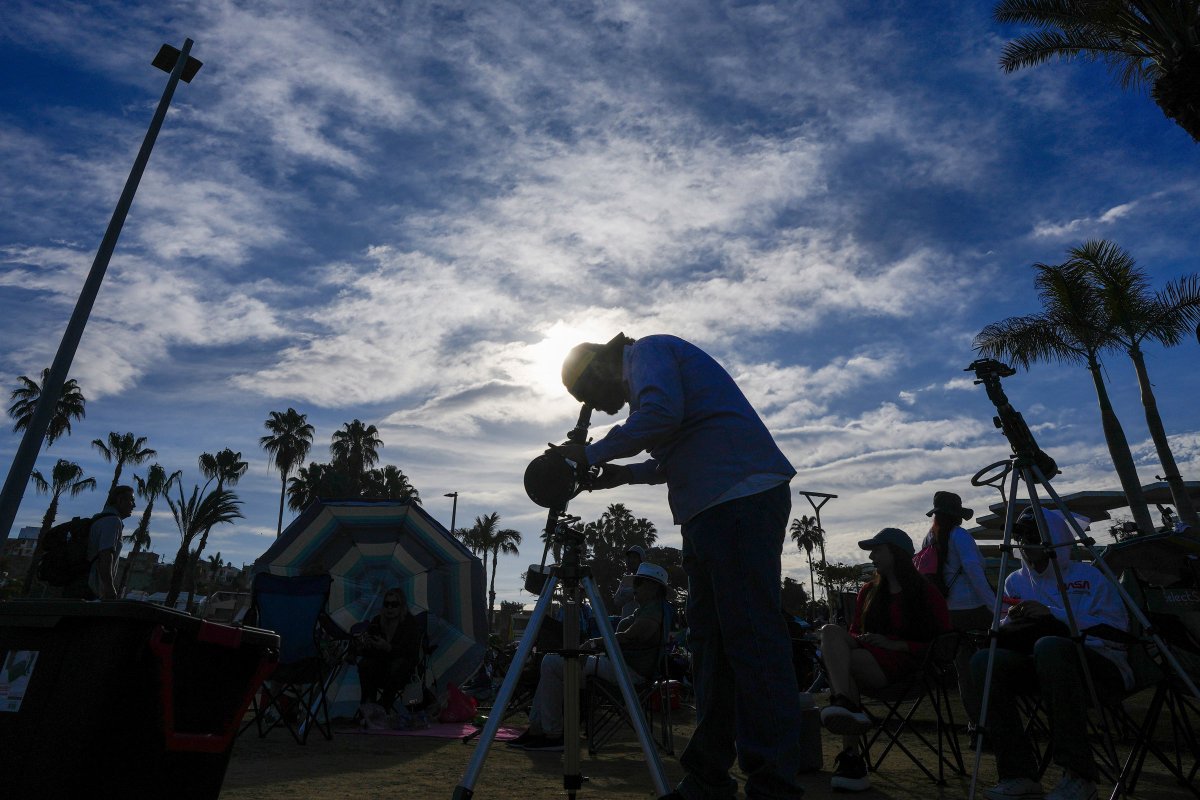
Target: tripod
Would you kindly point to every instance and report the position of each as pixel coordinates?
(574, 578)
(1030, 465)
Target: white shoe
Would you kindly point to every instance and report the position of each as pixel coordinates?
(1014, 789)
(1073, 787)
(844, 718)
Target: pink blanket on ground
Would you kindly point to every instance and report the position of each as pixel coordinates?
(442, 730)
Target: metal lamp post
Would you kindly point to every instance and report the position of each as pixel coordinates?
(453, 509)
(825, 498)
(180, 65)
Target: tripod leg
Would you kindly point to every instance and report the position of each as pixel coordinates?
(645, 737)
(1005, 551)
(466, 789)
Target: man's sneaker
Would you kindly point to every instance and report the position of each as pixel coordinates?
(844, 718)
(521, 740)
(1014, 789)
(1073, 787)
(545, 744)
(849, 773)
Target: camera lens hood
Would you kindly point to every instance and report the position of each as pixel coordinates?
(550, 481)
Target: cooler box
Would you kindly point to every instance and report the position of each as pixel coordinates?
(121, 698)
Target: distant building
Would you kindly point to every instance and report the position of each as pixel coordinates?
(141, 571)
(23, 544)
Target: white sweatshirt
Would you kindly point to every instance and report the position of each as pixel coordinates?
(1094, 600)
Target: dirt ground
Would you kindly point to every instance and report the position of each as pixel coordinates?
(413, 768)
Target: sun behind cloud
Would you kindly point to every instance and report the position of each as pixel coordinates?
(541, 363)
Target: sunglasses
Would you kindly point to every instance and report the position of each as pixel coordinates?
(393, 604)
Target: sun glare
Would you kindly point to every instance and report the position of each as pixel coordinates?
(545, 358)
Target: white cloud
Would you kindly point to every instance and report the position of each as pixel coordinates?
(1084, 225)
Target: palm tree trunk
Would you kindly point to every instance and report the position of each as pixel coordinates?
(137, 545)
(825, 583)
(492, 591)
(812, 581)
(177, 573)
(1179, 492)
(1118, 449)
(282, 492)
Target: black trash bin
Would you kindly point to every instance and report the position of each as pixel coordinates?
(121, 698)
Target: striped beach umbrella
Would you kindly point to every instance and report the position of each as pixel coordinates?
(370, 546)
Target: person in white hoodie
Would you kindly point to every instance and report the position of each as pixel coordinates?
(1053, 668)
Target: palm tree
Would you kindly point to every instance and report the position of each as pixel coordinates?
(1143, 42)
(806, 534)
(123, 448)
(25, 398)
(1134, 315)
(157, 484)
(507, 542)
(479, 537)
(226, 467)
(1070, 328)
(65, 477)
(390, 483)
(288, 443)
(357, 447)
(214, 569)
(193, 516)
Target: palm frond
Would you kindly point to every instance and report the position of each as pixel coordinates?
(1024, 341)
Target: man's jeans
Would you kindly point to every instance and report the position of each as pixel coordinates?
(742, 657)
(1054, 670)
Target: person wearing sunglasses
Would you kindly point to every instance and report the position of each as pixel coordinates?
(388, 651)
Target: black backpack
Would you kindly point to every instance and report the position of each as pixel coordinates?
(65, 551)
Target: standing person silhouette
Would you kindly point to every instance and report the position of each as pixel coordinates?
(727, 485)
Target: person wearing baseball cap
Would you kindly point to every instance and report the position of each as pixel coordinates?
(640, 641)
(897, 614)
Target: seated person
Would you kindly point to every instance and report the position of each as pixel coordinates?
(622, 598)
(897, 614)
(389, 651)
(640, 644)
(1053, 667)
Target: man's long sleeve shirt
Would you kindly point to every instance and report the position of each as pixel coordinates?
(703, 436)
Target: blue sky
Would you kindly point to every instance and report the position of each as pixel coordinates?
(407, 212)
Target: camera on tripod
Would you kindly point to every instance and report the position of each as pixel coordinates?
(553, 480)
(989, 371)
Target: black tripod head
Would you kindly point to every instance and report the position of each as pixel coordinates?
(989, 371)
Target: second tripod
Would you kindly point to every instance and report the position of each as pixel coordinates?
(574, 579)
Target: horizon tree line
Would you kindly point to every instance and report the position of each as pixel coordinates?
(350, 472)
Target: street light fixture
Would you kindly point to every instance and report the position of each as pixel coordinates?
(181, 66)
(453, 509)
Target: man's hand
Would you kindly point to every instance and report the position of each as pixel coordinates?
(572, 452)
(612, 476)
(1029, 609)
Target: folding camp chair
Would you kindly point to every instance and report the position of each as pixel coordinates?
(418, 681)
(607, 713)
(1175, 615)
(928, 684)
(295, 696)
(1130, 729)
